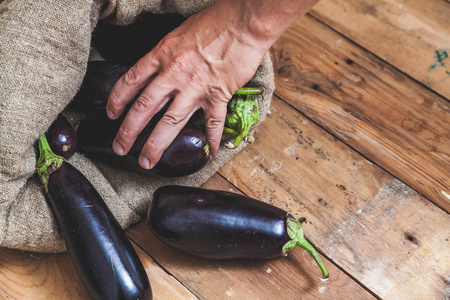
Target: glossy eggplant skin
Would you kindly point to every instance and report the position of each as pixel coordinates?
(100, 78)
(102, 254)
(62, 137)
(217, 224)
(187, 154)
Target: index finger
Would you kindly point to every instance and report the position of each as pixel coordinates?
(130, 84)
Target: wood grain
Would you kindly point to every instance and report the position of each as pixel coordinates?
(28, 275)
(296, 276)
(164, 286)
(372, 225)
(385, 115)
(413, 36)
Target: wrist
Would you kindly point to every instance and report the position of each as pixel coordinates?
(265, 21)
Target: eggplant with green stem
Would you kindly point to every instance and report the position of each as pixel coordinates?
(101, 252)
(62, 137)
(223, 225)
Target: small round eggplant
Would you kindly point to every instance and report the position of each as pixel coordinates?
(223, 225)
(102, 254)
(62, 137)
(187, 154)
(100, 78)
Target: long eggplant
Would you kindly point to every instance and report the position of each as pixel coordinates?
(62, 137)
(102, 254)
(187, 154)
(224, 225)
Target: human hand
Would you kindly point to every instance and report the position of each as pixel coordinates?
(199, 65)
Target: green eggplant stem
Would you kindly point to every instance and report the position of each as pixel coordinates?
(244, 114)
(249, 91)
(48, 161)
(295, 232)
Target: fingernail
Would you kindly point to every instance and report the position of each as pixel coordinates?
(144, 162)
(118, 149)
(110, 114)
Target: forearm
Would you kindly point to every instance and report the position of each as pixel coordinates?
(265, 21)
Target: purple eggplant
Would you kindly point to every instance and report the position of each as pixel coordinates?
(62, 137)
(100, 78)
(127, 44)
(187, 154)
(102, 254)
(224, 225)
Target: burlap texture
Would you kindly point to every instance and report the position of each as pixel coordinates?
(44, 50)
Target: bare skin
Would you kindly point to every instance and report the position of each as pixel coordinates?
(199, 65)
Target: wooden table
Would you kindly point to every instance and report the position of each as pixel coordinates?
(357, 142)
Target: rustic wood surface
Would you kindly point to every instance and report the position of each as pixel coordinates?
(357, 142)
(413, 36)
(369, 223)
(27, 275)
(385, 115)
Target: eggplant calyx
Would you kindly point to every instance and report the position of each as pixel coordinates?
(295, 232)
(48, 161)
(244, 114)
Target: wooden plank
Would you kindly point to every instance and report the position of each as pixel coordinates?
(164, 286)
(294, 277)
(28, 275)
(388, 117)
(375, 227)
(414, 36)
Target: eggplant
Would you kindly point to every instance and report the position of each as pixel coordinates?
(62, 137)
(100, 78)
(187, 154)
(102, 254)
(127, 44)
(223, 225)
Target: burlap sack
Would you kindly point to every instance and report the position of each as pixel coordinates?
(44, 49)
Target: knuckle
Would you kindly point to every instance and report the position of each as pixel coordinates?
(178, 64)
(199, 81)
(213, 123)
(220, 94)
(125, 133)
(131, 77)
(113, 100)
(143, 103)
(172, 118)
(165, 47)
